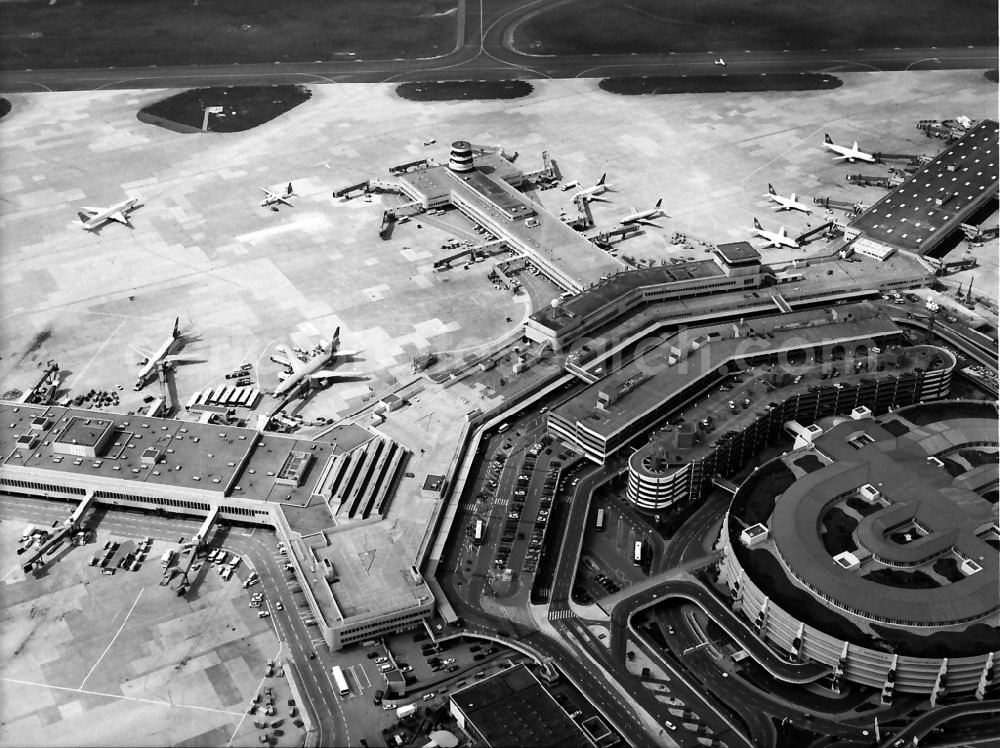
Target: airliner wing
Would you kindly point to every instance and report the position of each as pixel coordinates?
(330, 374)
(181, 358)
(347, 354)
(119, 217)
(144, 354)
(91, 211)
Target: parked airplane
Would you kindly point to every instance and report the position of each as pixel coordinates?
(642, 216)
(313, 368)
(774, 239)
(591, 192)
(152, 360)
(720, 61)
(93, 218)
(851, 154)
(272, 199)
(786, 203)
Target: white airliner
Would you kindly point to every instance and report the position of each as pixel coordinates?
(92, 218)
(592, 192)
(162, 354)
(786, 203)
(774, 239)
(852, 154)
(313, 369)
(272, 198)
(641, 216)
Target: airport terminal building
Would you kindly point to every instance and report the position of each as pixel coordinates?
(237, 475)
(918, 215)
(874, 549)
(483, 188)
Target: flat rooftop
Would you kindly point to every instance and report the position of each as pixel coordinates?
(654, 380)
(716, 406)
(617, 286)
(738, 253)
(85, 432)
(491, 189)
(963, 177)
(512, 708)
(916, 489)
(819, 280)
(204, 457)
(366, 574)
(571, 252)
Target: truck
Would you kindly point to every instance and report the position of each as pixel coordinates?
(28, 532)
(168, 557)
(406, 711)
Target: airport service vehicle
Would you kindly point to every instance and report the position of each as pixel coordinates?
(786, 203)
(778, 238)
(272, 199)
(637, 553)
(94, 218)
(503, 427)
(27, 533)
(406, 711)
(851, 154)
(385, 668)
(340, 681)
(263, 614)
(389, 706)
(429, 696)
(480, 534)
(168, 557)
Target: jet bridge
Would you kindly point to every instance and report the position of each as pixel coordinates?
(48, 547)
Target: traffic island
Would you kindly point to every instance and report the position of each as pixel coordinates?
(224, 109)
(672, 84)
(463, 90)
(5, 107)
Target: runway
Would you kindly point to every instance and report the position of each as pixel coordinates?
(483, 51)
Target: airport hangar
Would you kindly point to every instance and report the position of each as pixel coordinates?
(483, 188)
(235, 474)
(910, 514)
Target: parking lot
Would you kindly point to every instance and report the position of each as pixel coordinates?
(108, 656)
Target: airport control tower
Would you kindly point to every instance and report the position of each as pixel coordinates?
(461, 157)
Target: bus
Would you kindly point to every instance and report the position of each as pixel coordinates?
(338, 678)
(637, 553)
(480, 532)
(503, 427)
(600, 520)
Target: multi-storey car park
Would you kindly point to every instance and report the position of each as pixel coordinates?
(718, 435)
(873, 548)
(237, 475)
(688, 366)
